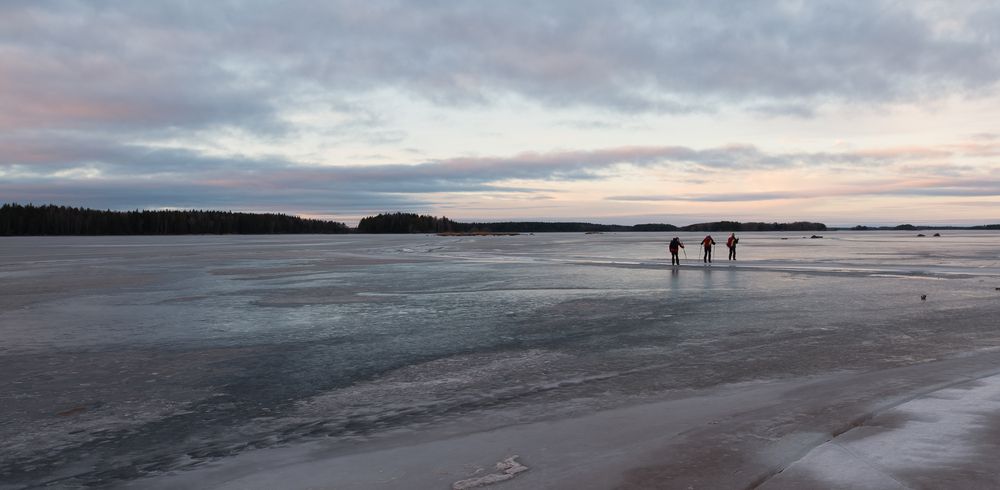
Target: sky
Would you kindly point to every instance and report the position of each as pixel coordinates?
(625, 112)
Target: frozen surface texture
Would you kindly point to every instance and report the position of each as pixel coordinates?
(132, 359)
(947, 439)
(508, 468)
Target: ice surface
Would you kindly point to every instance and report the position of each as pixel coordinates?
(732, 436)
(185, 350)
(946, 439)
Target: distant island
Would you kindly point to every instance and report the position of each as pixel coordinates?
(18, 220)
(414, 223)
(916, 228)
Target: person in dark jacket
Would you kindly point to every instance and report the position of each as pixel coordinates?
(675, 246)
(707, 243)
(731, 244)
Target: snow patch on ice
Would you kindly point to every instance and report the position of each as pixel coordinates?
(508, 468)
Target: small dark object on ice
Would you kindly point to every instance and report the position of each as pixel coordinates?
(72, 411)
(816, 236)
(920, 234)
(923, 297)
(937, 234)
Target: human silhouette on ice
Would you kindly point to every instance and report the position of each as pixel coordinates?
(707, 243)
(731, 243)
(675, 246)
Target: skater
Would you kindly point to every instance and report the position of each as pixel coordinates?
(675, 246)
(731, 244)
(707, 243)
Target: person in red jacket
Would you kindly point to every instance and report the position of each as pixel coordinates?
(707, 243)
(731, 244)
(675, 246)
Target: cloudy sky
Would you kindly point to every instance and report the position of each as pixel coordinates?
(845, 112)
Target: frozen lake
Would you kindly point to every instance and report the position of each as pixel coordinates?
(131, 357)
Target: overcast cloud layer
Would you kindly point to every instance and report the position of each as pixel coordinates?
(265, 106)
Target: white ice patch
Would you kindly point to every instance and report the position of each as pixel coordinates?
(508, 469)
(945, 433)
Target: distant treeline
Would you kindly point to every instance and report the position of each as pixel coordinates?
(413, 223)
(407, 223)
(915, 228)
(540, 227)
(755, 226)
(18, 220)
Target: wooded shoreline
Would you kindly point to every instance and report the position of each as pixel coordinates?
(30, 220)
(18, 220)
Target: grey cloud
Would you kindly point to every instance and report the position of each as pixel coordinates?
(46, 153)
(131, 194)
(36, 168)
(938, 170)
(83, 82)
(938, 188)
(162, 64)
(37, 154)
